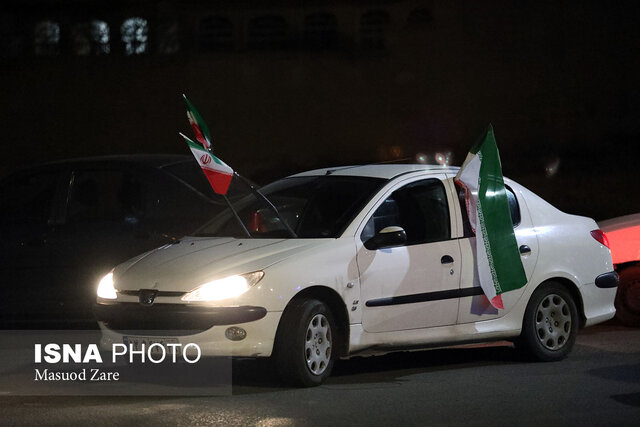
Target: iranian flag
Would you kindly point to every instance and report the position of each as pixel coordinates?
(497, 257)
(218, 173)
(200, 128)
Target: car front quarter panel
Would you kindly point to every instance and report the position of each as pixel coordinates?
(331, 265)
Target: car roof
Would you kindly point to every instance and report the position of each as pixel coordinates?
(386, 171)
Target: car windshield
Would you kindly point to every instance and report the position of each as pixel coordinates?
(313, 206)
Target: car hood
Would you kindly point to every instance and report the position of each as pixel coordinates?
(193, 261)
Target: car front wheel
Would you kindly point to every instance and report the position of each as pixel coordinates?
(550, 324)
(305, 344)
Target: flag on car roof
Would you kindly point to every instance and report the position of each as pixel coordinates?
(497, 257)
(218, 173)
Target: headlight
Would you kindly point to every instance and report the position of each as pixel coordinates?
(105, 287)
(228, 287)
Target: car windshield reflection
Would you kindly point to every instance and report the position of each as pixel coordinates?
(313, 206)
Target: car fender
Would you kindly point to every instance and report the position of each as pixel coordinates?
(331, 265)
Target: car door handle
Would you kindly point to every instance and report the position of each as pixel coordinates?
(446, 259)
(525, 250)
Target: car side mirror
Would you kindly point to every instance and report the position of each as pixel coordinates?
(388, 237)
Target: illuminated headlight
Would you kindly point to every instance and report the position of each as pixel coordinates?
(106, 289)
(228, 287)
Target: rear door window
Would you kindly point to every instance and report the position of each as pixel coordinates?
(514, 210)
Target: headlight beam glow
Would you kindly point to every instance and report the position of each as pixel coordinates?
(106, 289)
(226, 288)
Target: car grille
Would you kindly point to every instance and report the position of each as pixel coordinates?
(136, 293)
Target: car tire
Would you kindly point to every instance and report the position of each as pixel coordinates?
(306, 343)
(627, 300)
(550, 324)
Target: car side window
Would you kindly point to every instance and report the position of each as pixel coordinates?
(105, 195)
(466, 225)
(514, 210)
(28, 199)
(420, 208)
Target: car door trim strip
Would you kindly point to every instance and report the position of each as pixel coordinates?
(426, 296)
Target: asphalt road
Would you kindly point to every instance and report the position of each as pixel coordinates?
(599, 384)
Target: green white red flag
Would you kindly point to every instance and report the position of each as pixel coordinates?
(218, 173)
(497, 257)
(200, 128)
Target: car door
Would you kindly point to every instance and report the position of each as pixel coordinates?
(413, 285)
(475, 306)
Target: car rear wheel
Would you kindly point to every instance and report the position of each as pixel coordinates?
(627, 300)
(550, 324)
(305, 343)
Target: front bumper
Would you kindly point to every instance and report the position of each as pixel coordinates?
(172, 319)
(204, 326)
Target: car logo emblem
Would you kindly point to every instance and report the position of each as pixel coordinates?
(205, 159)
(147, 296)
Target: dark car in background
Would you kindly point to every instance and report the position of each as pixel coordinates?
(63, 225)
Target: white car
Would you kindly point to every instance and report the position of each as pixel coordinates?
(383, 260)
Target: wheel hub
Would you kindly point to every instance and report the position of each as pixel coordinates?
(318, 344)
(553, 322)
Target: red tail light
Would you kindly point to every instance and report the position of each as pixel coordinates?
(600, 237)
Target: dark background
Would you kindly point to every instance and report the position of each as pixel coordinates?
(291, 85)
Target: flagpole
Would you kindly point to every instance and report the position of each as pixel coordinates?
(204, 137)
(244, 228)
(259, 195)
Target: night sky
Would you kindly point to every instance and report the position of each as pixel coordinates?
(558, 81)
